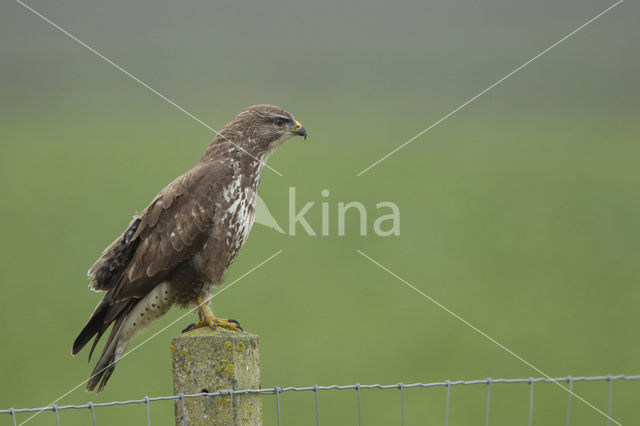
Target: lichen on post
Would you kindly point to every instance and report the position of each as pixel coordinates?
(209, 361)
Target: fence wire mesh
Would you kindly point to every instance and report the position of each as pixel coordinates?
(276, 391)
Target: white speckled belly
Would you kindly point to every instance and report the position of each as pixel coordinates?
(152, 306)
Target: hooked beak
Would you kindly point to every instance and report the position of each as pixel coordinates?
(300, 131)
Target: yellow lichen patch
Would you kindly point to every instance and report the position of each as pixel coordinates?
(220, 365)
(218, 361)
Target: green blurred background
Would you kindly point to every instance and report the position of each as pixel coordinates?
(520, 213)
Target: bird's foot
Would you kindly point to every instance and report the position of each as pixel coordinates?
(214, 323)
(229, 324)
(207, 319)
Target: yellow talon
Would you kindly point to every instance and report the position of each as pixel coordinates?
(207, 319)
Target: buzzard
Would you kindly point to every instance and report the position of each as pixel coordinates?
(184, 241)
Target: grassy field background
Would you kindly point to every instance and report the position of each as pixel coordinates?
(520, 213)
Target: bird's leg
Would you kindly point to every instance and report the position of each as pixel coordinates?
(207, 319)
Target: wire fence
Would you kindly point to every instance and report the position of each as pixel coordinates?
(276, 391)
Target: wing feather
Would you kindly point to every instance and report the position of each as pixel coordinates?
(171, 229)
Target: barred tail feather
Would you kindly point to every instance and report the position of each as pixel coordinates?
(105, 313)
(132, 317)
(113, 350)
(106, 364)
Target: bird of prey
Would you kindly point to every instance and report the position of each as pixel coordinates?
(184, 241)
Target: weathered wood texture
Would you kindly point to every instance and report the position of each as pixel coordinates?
(208, 361)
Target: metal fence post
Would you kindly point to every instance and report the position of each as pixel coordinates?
(209, 361)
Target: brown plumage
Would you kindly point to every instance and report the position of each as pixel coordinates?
(184, 241)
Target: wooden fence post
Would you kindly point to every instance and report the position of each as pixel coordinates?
(209, 361)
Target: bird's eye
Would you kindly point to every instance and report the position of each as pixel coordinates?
(279, 122)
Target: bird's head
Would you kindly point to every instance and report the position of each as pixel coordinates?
(261, 129)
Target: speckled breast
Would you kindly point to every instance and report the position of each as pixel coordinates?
(239, 213)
